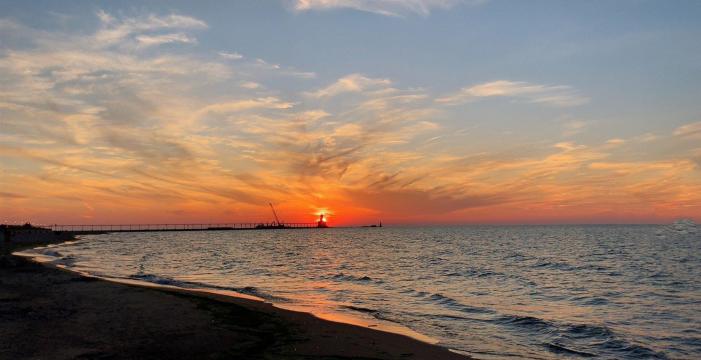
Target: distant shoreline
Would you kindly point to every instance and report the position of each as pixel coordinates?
(75, 316)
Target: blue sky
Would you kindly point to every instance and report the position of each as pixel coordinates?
(446, 80)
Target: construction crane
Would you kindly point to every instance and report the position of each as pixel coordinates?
(275, 214)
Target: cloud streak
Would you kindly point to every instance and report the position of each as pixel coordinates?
(692, 130)
(552, 95)
(231, 56)
(353, 83)
(394, 8)
(147, 41)
(118, 30)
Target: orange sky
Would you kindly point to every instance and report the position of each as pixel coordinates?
(101, 126)
(569, 184)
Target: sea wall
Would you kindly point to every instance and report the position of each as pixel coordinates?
(31, 235)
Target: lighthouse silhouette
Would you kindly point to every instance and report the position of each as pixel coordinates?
(322, 222)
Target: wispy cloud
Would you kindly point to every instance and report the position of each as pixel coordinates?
(692, 130)
(250, 85)
(231, 56)
(260, 63)
(384, 7)
(240, 105)
(114, 30)
(573, 127)
(148, 40)
(553, 95)
(615, 142)
(352, 83)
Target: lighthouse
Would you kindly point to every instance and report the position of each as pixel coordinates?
(322, 222)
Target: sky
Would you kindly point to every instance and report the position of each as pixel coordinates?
(409, 112)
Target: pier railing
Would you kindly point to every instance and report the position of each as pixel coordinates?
(94, 228)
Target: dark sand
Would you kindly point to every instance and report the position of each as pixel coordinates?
(47, 313)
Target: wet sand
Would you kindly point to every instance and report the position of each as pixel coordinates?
(47, 313)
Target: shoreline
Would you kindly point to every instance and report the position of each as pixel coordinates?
(338, 317)
(36, 296)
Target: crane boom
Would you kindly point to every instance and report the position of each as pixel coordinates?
(274, 214)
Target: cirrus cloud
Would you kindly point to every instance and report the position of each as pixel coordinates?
(553, 95)
(352, 83)
(144, 29)
(692, 130)
(394, 8)
(147, 40)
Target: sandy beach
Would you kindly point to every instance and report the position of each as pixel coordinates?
(51, 313)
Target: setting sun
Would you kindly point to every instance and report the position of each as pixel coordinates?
(323, 212)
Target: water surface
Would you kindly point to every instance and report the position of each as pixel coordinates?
(538, 292)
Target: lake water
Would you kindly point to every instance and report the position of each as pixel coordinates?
(536, 292)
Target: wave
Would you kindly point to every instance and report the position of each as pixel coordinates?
(157, 279)
(555, 266)
(352, 278)
(559, 349)
(454, 304)
(527, 322)
(594, 267)
(49, 255)
(52, 253)
(516, 256)
(571, 330)
(585, 340)
(632, 350)
(445, 301)
(57, 258)
(247, 290)
(254, 291)
(473, 272)
(361, 309)
(377, 314)
(414, 293)
(590, 301)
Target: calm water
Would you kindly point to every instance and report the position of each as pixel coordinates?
(493, 292)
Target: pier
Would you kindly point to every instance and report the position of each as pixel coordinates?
(51, 233)
(109, 228)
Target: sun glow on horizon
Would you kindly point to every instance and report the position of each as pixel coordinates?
(322, 213)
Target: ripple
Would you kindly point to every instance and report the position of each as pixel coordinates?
(360, 309)
(591, 301)
(473, 272)
(526, 322)
(456, 305)
(632, 350)
(555, 266)
(559, 349)
(248, 290)
(156, 279)
(595, 340)
(352, 278)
